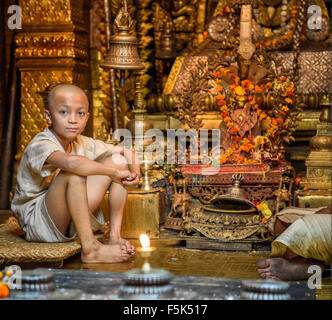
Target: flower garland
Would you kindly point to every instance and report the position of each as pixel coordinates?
(4, 276)
(241, 94)
(283, 40)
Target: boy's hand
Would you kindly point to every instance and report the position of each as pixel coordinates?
(120, 175)
(132, 181)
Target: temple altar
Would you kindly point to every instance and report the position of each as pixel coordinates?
(240, 89)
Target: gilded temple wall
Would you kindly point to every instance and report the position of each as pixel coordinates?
(65, 41)
(52, 47)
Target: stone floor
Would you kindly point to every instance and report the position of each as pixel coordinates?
(100, 285)
(172, 255)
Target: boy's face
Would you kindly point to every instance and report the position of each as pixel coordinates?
(68, 114)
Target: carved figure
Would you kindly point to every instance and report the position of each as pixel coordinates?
(284, 193)
(179, 199)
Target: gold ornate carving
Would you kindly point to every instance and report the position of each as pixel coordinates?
(39, 12)
(51, 45)
(52, 12)
(225, 227)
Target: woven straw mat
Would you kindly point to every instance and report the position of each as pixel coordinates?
(14, 248)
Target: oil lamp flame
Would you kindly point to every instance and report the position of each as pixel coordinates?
(145, 241)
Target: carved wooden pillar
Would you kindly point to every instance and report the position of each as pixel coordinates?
(52, 48)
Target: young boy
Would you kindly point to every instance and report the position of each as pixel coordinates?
(63, 177)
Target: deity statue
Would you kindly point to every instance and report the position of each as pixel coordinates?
(184, 15)
(184, 20)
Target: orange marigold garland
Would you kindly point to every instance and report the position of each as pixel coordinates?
(242, 93)
(4, 276)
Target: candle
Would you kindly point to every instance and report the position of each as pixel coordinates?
(145, 241)
(145, 251)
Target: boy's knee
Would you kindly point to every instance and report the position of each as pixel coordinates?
(118, 161)
(72, 177)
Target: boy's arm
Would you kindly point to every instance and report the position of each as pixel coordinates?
(85, 167)
(132, 160)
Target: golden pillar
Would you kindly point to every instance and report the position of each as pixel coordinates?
(317, 183)
(52, 48)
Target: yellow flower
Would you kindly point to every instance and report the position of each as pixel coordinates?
(239, 91)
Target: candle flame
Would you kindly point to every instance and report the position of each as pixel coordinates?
(145, 241)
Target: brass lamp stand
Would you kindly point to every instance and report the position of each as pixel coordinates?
(138, 128)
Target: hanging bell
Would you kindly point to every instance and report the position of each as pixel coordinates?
(166, 49)
(123, 54)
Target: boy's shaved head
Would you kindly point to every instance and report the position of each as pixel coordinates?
(64, 88)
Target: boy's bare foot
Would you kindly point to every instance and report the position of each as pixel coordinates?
(100, 253)
(124, 243)
(283, 269)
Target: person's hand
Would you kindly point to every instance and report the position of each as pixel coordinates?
(121, 175)
(132, 181)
